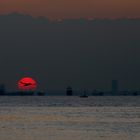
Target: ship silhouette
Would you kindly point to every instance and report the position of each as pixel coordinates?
(26, 84)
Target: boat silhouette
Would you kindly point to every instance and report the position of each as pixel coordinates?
(84, 96)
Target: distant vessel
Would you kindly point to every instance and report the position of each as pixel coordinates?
(83, 96)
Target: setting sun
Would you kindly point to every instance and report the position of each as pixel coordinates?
(27, 83)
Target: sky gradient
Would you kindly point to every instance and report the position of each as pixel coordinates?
(80, 53)
(56, 9)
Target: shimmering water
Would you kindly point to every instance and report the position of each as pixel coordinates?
(66, 118)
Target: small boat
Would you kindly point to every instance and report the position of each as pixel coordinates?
(83, 96)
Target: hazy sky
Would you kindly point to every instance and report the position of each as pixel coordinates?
(80, 53)
(55, 9)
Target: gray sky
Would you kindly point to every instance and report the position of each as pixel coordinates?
(80, 53)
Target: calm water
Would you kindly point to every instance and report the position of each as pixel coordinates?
(63, 101)
(66, 118)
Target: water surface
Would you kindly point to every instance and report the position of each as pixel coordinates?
(66, 118)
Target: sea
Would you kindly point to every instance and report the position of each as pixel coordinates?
(69, 118)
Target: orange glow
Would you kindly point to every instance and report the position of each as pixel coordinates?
(59, 9)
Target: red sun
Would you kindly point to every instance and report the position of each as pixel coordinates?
(27, 83)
